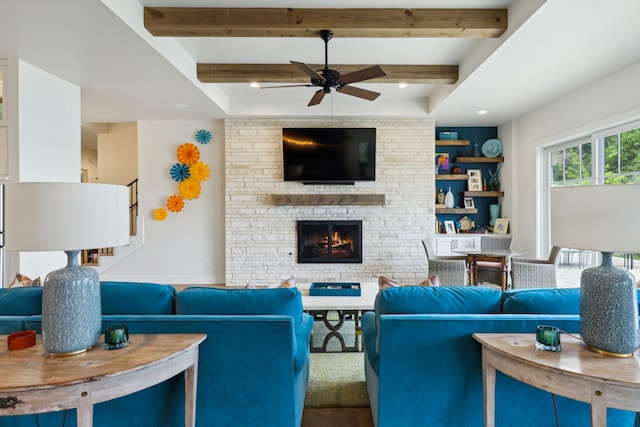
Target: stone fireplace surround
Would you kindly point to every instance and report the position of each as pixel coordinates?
(261, 210)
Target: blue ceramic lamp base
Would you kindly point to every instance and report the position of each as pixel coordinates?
(609, 309)
(71, 309)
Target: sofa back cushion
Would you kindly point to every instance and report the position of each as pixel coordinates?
(542, 301)
(199, 300)
(438, 300)
(137, 298)
(21, 301)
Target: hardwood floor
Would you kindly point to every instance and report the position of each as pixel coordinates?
(343, 417)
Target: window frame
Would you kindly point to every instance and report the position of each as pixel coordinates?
(597, 165)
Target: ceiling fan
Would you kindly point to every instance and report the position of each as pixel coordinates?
(326, 79)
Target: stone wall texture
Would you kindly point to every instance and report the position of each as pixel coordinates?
(261, 238)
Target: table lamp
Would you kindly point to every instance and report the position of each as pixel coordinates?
(70, 217)
(602, 218)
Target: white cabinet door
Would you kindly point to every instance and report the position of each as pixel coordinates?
(446, 245)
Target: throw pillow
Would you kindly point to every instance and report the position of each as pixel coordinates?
(289, 282)
(385, 283)
(22, 280)
(431, 281)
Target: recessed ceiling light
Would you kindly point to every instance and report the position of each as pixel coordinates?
(479, 109)
(254, 84)
(402, 85)
(179, 105)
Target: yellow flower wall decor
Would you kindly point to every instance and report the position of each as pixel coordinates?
(199, 171)
(188, 154)
(189, 173)
(160, 214)
(175, 203)
(190, 188)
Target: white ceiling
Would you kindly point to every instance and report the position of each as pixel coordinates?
(550, 49)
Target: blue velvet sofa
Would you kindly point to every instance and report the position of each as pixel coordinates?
(253, 367)
(423, 368)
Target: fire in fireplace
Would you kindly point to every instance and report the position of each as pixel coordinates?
(329, 241)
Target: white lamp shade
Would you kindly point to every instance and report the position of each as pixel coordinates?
(51, 216)
(596, 217)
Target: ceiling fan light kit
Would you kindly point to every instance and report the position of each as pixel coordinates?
(327, 79)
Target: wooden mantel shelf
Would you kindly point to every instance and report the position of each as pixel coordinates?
(328, 199)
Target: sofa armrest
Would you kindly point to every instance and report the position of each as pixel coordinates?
(369, 333)
(303, 339)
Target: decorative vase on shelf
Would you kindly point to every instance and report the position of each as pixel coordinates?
(448, 199)
(494, 183)
(440, 197)
(494, 213)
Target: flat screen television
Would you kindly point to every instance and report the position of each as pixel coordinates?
(329, 155)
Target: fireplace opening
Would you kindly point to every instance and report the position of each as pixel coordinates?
(330, 241)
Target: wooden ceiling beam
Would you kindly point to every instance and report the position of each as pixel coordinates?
(292, 22)
(287, 73)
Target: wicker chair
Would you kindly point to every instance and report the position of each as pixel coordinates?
(451, 270)
(535, 273)
(492, 271)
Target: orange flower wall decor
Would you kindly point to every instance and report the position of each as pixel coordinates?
(189, 174)
(175, 203)
(188, 153)
(199, 171)
(189, 188)
(160, 214)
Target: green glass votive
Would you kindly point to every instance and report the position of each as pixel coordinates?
(548, 338)
(116, 337)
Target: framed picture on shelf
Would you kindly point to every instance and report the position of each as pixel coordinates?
(450, 227)
(475, 179)
(442, 161)
(501, 226)
(468, 203)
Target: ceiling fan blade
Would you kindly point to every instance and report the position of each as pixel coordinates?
(308, 70)
(364, 74)
(277, 87)
(359, 92)
(317, 98)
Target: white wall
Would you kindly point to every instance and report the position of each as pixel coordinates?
(44, 144)
(605, 103)
(188, 247)
(118, 154)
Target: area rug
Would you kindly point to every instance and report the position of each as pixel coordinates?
(336, 380)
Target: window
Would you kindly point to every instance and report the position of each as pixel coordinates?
(571, 165)
(608, 157)
(611, 156)
(622, 157)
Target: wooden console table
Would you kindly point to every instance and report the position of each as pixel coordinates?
(576, 372)
(35, 382)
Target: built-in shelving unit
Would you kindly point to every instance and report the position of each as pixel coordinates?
(464, 153)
